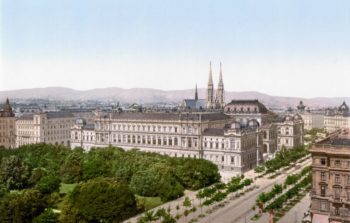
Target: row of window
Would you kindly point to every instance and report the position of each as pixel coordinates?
(337, 163)
(143, 128)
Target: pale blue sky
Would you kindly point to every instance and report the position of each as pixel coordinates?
(289, 47)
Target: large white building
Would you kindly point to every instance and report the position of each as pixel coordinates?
(312, 119)
(212, 136)
(337, 118)
(46, 127)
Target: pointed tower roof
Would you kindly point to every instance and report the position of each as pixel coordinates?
(221, 82)
(196, 94)
(210, 81)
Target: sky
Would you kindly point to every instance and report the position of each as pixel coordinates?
(283, 48)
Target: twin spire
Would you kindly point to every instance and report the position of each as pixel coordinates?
(219, 101)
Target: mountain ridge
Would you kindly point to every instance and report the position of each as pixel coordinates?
(151, 95)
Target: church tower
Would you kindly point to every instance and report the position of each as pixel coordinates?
(196, 94)
(220, 94)
(210, 90)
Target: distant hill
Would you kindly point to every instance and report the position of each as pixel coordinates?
(147, 95)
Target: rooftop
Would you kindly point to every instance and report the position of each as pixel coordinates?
(339, 138)
(169, 116)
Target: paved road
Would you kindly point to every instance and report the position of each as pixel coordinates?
(240, 210)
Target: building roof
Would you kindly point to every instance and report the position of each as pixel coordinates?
(214, 132)
(169, 116)
(26, 116)
(193, 104)
(239, 106)
(337, 138)
(89, 127)
(52, 115)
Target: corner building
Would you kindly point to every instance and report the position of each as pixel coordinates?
(330, 194)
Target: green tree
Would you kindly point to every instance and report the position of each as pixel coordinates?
(48, 184)
(21, 207)
(197, 173)
(71, 171)
(14, 173)
(145, 183)
(101, 199)
(48, 216)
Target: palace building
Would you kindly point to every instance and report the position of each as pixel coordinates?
(44, 127)
(236, 136)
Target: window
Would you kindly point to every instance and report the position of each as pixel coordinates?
(232, 160)
(323, 176)
(337, 163)
(337, 178)
(336, 211)
(222, 158)
(323, 190)
(323, 161)
(337, 193)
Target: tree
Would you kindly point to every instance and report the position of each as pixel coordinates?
(48, 184)
(197, 173)
(101, 199)
(48, 216)
(145, 183)
(37, 174)
(14, 173)
(71, 171)
(21, 207)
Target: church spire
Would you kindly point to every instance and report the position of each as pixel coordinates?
(196, 94)
(210, 90)
(210, 81)
(220, 94)
(220, 79)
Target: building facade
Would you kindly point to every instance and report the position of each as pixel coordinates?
(330, 195)
(212, 136)
(337, 118)
(312, 119)
(290, 132)
(7, 126)
(46, 127)
(242, 111)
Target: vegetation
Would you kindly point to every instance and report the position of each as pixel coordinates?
(219, 191)
(264, 198)
(313, 134)
(104, 184)
(283, 158)
(291, 193)
(100, 199)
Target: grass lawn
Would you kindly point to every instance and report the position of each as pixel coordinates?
(149, 202)
(67, 188)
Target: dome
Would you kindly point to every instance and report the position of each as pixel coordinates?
(253, 123)
(297, 117)
(7, 110)
(235, 125)
(288, 118)
(80, 121)
(7, 107)
(344, 107)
